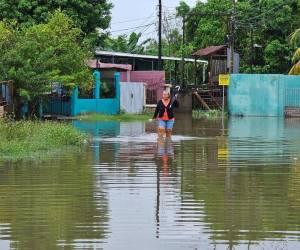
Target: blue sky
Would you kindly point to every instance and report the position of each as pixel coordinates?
(127, 14)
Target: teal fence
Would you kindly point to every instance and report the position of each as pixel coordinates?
(109, 106)
(262, 95)
(76, 105)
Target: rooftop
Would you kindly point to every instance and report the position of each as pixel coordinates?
(209, 50)
(96, 64)
(128, 55)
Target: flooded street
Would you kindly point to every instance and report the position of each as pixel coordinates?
(211, 187)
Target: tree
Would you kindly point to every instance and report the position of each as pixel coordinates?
(127, 44)
(7, 41)
(208, 24)
(43, 54)
(276, 56)
(183, 9)
(86, 14)
(295, 40)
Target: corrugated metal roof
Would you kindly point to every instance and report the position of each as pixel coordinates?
(94, 64)
(121, 54)
(209, 50)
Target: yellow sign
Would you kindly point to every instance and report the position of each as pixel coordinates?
(224, 80)
(222, 153)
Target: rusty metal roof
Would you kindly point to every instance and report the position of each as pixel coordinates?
(94, 64)
(209, 50)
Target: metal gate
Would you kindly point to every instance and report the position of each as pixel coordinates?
(292, 102)
(58, 105)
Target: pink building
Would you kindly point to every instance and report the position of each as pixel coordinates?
(153, 80)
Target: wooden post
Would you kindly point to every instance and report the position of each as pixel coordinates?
(195, 71)
(176, 70)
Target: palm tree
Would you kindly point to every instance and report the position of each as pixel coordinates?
(295, 37)
(295, 40)
(127, 44)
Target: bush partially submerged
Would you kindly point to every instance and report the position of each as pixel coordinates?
(24, 139)
(211, 114)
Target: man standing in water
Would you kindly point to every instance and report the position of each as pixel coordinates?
(165, 114)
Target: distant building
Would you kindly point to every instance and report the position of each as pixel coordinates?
(218, 61)
(6, 98)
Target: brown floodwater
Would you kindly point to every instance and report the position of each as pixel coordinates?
(234, 185)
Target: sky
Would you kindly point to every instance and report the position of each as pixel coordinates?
(127, 14)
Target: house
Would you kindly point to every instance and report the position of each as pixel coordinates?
(145, 69)
(209, 95)
(218, 61)
(6, 98)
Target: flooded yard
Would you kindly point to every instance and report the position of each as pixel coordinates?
(235, 186)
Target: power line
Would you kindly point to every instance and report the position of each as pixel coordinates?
(132, 28)
(149, 33)
(144, 23)
(139, 29)
(133, 20)
(146, 28)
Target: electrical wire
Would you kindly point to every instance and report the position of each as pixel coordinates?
(132, 28)
(133, 20)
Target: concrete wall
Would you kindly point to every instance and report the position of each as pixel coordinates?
(261, 95)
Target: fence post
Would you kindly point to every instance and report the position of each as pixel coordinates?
(74, 98)
(97, 89)
(118, 94)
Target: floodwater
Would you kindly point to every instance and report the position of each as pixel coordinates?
(235, 186)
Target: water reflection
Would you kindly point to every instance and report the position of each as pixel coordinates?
(52, 205)
(248, 197)
(211, 187)
(220, 191)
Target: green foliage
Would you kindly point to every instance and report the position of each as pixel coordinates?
(183, 9)
(127, 44)
(7, 41)
(28, 138)
(209, 115)
(295, 41)
(276, 57)
(36, 56)
(203, 31)
(87, 15)
(253, 26)
(295, 38)
(296, 56)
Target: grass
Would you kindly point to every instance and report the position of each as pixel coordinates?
(33, 139)
(120, 117)
(210, 115)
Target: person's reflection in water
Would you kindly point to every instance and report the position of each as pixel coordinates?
(165, 153)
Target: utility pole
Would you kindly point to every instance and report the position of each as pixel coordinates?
(183, 52)
(159, 35)
(232, 35)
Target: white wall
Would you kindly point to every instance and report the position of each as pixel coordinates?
(132, 97)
